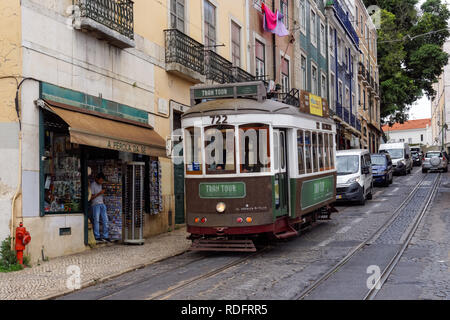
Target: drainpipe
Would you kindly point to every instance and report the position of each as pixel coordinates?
(274, 50)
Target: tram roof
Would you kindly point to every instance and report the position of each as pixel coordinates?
(248, 106)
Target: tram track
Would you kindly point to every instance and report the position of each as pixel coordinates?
(174, 289)
(375, 235)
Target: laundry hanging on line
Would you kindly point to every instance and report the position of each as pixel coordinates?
(273, 22)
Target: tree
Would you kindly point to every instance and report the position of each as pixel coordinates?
(410, 54)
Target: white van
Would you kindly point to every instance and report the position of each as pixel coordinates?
(354, 175)
(401, 156)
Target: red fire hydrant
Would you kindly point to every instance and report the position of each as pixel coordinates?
(22, 239)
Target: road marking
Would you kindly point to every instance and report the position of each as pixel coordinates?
(344, 229)
(325, 242)
(395, 190)
(357, 220)
(377, 193)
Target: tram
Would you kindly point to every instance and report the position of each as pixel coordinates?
(255, 166)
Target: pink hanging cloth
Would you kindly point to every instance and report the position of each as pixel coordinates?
(273, 22)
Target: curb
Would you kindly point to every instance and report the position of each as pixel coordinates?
(91, 283)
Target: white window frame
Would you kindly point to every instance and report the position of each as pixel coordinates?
(314, 83)
(237, 23)
(313, 28)
(302, 16)
(323, 85)
(304, 72)
(323, 42)
(332, 100)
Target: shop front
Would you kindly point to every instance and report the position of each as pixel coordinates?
(76, 144)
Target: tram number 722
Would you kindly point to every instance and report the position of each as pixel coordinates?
(219, 119)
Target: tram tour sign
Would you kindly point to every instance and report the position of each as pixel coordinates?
(219, 190)
(254, 89)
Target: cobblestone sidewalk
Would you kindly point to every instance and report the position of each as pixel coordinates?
(49, 278)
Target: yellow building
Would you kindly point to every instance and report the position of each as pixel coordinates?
(104, 86)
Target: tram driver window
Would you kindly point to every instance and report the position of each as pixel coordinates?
(331, 146)
(219, 150)
(193, 150)
(300, 152)
(254, 148)
(327, 152)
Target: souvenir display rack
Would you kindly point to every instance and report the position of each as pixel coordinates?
(156, 205)
(134, 203)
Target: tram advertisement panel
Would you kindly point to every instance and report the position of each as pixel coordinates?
(316, 191)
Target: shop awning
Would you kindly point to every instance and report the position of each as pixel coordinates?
(110, 134)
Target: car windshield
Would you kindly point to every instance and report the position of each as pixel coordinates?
(395, 153)
(433, 154)
(347, 165)
(378, 160)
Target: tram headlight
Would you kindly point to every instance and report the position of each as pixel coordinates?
(220, 207)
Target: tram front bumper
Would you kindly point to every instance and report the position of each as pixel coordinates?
(352, 192)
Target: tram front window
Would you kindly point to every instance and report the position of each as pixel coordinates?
(220, 150)
(254, 148)
(193, 152)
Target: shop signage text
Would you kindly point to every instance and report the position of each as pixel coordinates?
(126, 147)
(315, 105)
(316, 191)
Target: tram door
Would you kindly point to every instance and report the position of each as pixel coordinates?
(280, 186)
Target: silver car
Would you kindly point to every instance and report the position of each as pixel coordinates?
(434, 160)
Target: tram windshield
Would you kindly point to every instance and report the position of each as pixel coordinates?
(193, 151)
(254, 148)
(347, 165)
(220, 149)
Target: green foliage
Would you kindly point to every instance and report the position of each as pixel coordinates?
(410, 54)
(8, 260)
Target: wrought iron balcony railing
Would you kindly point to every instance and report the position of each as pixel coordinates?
(362, 70)
(339, 109)
(218, 68)
(117, 15)
(344, 20)
(346, 115)
(240, 75)
(352, 120)
(184, 50)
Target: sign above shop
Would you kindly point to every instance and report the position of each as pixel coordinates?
(312, 104)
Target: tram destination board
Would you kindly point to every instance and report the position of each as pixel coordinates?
(254, 89)
(222, 190)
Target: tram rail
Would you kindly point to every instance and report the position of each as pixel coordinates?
(393, 262)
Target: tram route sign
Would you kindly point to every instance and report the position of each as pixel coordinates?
(316, 191)
(255, 89)
(218, 190)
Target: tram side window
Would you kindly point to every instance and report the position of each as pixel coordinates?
(300, 152)
(254, 148)
(193, 153)
(331, 145)
(321, 153)
(219, 150)
(327, 151)
(308, 159)
(314, 151)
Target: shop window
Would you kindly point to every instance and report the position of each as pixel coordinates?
(192, 137)
(254, 147)
(61, 163)
(300, 152)
(220, 150)
(308, 152)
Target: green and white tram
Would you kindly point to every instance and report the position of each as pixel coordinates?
(254, 166)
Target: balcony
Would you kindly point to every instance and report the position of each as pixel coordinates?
(346, 116)
(352, 120)
(361, 71)
(185, 57)
(217, 68)
(110, 20)
(240, 75)
(358, 125)
(343, 18)
(339, 110)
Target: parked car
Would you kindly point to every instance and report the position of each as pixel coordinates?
(354, 176)
(435, 160)
(382, 170)
(400, 155)
(416, 158)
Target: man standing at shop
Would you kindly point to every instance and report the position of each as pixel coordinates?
(99, 208)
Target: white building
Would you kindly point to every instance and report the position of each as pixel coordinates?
(413, 132)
